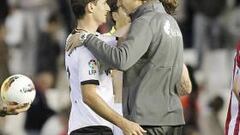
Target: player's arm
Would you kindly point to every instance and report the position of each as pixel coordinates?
(117, 85)
(97, 104)
(236, 88)
(184, 86)
(117, 75)
(125, 55)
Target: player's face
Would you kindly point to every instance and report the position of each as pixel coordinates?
(127, 5)
(100, 11)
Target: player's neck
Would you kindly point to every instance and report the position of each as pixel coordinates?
(87, 25)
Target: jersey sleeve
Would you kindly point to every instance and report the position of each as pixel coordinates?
(88, 68)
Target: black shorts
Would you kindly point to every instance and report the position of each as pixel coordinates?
(163, 130)
(93, 130)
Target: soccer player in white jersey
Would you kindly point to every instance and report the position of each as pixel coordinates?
(232, 125)
(91, 87)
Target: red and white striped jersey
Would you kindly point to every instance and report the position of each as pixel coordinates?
(232, 125)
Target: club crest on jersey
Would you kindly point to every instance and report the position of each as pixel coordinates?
(92, 67)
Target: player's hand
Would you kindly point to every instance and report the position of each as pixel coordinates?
(122, 32)
(76, 40)
(131, 128)
(13, 109)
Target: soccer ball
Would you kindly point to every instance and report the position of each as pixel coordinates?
(18, 89)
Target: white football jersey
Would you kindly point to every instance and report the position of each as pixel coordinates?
(83, 68)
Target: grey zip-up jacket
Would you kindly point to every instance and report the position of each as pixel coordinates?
(152, 60)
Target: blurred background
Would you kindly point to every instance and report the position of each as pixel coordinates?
(32, 39)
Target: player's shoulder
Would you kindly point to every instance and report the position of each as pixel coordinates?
(108, 38)
(77, 49)
(82, 52)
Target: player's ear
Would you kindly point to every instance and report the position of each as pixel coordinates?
(90, 7)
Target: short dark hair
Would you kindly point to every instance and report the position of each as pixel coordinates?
(113, 5)
(78, 7)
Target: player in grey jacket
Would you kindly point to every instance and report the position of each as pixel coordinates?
(152, 60)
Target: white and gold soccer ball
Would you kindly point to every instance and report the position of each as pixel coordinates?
(18, 89)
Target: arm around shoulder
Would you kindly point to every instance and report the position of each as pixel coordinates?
(128, 52)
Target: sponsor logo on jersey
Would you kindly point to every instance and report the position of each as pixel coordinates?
(92, 67)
